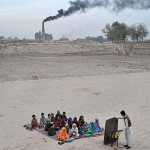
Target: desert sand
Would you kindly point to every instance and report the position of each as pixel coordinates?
(82, 80)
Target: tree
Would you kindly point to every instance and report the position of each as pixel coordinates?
(108, 32)
(16, 38)
(48, 37)
(38, 35)
(1, 37)
(97, 39)
(117, 31)
(138, 31)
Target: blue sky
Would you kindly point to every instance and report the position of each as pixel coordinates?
(22, 18)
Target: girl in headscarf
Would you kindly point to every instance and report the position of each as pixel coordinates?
(93, 129)
(57, 124)
(74, 131)
(97, 125)
(34, 122)
(67, 128)
(85, 129)
(70, 122)
(76, 121)
(63, 136)
(63, 123)
(81, 121)
(47, 125)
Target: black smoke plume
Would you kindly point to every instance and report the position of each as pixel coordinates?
(115, 5)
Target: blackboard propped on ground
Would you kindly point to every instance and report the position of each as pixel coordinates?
(111, 125)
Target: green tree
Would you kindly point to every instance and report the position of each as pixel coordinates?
(38, 35)
(1, 37)
(48, 37)
(116, 32)
(97, 39)
(138, 31)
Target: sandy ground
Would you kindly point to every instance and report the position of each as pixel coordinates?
(94, 84)
(21, 99)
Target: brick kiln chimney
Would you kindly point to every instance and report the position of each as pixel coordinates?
(43, 32)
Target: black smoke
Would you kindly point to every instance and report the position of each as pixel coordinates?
(114, 5)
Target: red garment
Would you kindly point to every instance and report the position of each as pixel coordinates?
(63, 122)
(57, 124)
(36, 127)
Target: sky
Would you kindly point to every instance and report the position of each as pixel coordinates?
(23, 18)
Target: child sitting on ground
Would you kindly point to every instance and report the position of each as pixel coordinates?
(34, 122)
(49, 117)
(97, 125)
(74, 132)
(67, 128)
(63, 136)
(93, 129)
(63, 123)
(70, 122)
(57, 124)
(64, 116)
(76, 122)
(52, 118)
(58, 115)
(42, 120)
(81, 121)
(47, 125)
(85, 129)
(51, 131)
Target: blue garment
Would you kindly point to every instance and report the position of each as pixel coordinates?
(69, 122)
(93, 128)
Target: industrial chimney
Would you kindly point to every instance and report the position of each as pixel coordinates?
(43, 32)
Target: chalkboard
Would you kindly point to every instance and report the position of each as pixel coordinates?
(111, 125)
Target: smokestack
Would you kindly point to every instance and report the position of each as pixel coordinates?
(43, 32)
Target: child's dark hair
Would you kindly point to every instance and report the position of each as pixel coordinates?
(122, 112)
(33, 116)
(64, 112)
(49, 114)
(42, 113)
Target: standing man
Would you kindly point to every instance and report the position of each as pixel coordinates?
(128, 128)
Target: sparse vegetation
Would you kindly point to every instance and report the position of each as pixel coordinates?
(48, 37)
(122, 32)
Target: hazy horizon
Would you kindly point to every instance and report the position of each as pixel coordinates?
(23, 19)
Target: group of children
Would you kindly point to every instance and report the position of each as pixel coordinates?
(68, 128)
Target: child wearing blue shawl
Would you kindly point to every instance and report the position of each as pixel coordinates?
(93, 127)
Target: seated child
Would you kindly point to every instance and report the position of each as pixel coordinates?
(81, 121)
(49, 117)
(52, 118)
(42, 120)
(93, 129)
(74, 131)
(97, 125)
(34, 122)
(67, 128)
(76, 122)
(63, 123)
(47, 125)
(63, 136)
(85, 129)
(58, 124)
(70, 122)
(64, 116)
(51, 131)
(58, 115)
